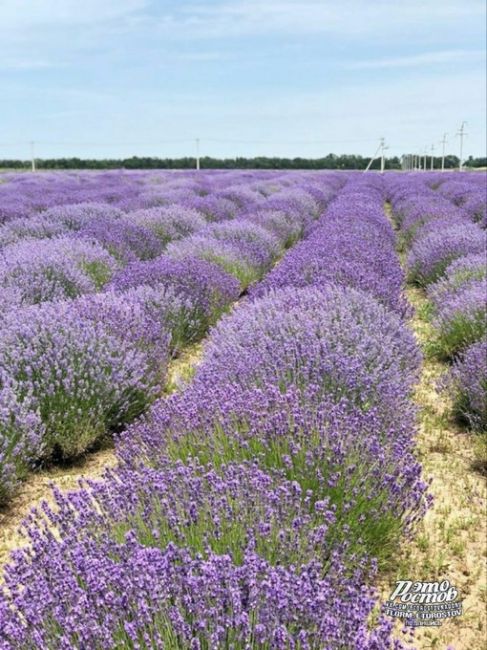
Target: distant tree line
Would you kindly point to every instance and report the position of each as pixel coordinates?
(331, 161)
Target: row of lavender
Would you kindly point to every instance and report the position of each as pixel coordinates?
(88, 330)
(447, 256)
(214, 193)
(72, 249)
(468, 192)
(250, 510)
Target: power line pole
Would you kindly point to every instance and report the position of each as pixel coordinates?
(382, 159)
(443, 143)
(374, 156)
(425, 154)
(197, 154)
(32, 156)
(432, 157)
(461, 133)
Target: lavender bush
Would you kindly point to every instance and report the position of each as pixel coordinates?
(139, 597)
(78, 377)
(21, 435)
(255, 243)
(461, 318)
(169, 223)
(429, 257)
(225, 255)
(348, 254)
(78, 215)
(468, 384)
(327, 448)
(312, 337)
(459, 274)
(54, 269)
(212, 207)
(149, 317)
(124, 240)
(36, 227)
(208, 289)
(281, 224)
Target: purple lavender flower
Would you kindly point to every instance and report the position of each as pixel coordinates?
(129, 595)
(325, 447)
(223, 254)
(53, 269)
(212, 207)
(312, 337)
(126, 241)
(169, 223)
(149, 317)
(468, 383)
(430, 256)
(21, 434)
(245, 509)
(286, 229)
(35, 227)
(475, 207)
(460, 273)
(255, 243)
(78, 215)
(208, 289)
(461, 317)
(348, 251)
(79, 377)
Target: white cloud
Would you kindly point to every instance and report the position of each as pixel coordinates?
(38, 34)
(299, 17)
(414, 60)
(28, 14)
(23, 63)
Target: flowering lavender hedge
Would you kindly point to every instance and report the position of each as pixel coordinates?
(205, 285)
(54, 269)
(326, 447)
(461, 317)
(77, 375)
(467, 382)
(169, 223)
(133, 596)
(430, 256)
(78, 215)
(21, 437)
(224, 254)
(338, 340)
(459, 274)
(126, 241)
(152, 321)
(287, 228)
(37, 227)
(448, 256)
(245, 510)
(470, 195)
(351, 245)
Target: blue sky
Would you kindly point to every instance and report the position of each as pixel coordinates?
(271, 77)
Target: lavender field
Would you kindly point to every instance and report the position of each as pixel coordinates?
(262, 501)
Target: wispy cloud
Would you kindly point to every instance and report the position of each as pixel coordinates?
(248, 69)
(22, 63)
(415, 60)
(225, 18)
(25, 14)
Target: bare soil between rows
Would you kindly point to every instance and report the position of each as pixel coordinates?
(450, 543)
